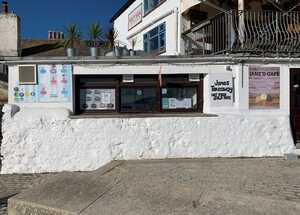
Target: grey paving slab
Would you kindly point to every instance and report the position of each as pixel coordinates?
(197, 186)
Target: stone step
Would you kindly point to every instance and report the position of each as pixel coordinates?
(18, 207)
(65, 193)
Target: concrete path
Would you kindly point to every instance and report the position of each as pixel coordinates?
(200, 186)
(11, 185)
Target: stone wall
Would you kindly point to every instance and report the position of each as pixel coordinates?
(47, 140)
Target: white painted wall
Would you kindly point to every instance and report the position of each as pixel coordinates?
(173, 23)
(46, 140)
(9, 35)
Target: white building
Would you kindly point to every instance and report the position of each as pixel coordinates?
(67, 114)
(157, 26)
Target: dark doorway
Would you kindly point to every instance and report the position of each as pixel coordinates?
(295, 103)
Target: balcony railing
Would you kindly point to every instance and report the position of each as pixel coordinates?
(256, 32)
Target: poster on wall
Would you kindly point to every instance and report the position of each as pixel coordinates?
(25, 93)
(54, 83)
(97, 99)
(135, 17)
(264, 87)
(221, 90)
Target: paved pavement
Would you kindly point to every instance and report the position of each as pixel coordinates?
(197, 186)
(11, 185)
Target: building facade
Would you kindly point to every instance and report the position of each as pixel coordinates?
(80, 114)
(234, 94)
(152, 26)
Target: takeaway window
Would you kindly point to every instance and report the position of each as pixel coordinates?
(138, 99)
(141, 95)
(155, 39)
(97, 93)
(97, 99)
(150, 5)
(175, 98)
(180, 94)
(145, 94)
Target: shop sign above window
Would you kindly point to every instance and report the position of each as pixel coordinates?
(135, 17)
(221, 89)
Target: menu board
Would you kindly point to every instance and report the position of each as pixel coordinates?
(97, 99)
(54, 83)
(180, 104)
(264, 87)
(25, 93)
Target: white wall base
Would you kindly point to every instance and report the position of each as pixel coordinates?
(46, 140)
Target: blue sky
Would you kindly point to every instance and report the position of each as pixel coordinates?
(39, 16)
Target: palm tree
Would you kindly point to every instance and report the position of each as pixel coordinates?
(111, 37)
(73, 36)
(95, 33)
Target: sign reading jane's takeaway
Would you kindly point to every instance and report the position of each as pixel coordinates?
(221, 89)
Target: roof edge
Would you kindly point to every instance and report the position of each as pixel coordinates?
(121, 10)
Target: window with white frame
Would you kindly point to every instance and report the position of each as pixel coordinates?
(155, 39)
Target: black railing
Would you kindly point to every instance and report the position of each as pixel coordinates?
(245, 31)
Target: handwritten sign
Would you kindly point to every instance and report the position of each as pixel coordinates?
(135, 17)
(221, 89)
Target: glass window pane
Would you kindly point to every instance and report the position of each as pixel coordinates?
(154, 44)
(162, 27)
(97, 99)
(153, 32)
(162, 39)
(146, 5)
(138, 99)
(179, 98)
(146, 46)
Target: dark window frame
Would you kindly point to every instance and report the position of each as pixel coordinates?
(146, 13)
(155, 83)
(102, 85)
(184, 84)
(142, 84)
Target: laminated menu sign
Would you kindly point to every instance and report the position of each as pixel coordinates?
(97, 99)
(54, 86)
(54, 83)
(221, 89)
(179, 104)
(264, 87)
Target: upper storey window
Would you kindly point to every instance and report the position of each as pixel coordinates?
(149, 5)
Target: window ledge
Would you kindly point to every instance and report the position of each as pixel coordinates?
(144, 115)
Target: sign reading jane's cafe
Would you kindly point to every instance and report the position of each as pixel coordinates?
(264, 87)
(135, 17)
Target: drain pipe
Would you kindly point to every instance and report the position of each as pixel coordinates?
(178, 38)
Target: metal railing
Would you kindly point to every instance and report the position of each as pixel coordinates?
(245, 31)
